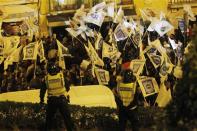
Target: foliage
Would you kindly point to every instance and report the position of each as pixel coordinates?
(183, 109)
(32, 116)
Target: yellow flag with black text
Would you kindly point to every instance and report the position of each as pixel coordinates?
(30, 51)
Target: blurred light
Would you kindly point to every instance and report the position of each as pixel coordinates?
(61, 1)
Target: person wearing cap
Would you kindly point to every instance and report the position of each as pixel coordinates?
(58, 98)
(126, 98)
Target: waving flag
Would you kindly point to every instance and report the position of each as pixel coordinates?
(119, 16)
(189, 11)
(74, 32)
(156, 60)
(162, 16)
(120, 33)
(137, 66)
(62, 51)
(146, 15)
(13, 57)
(162, 27)
(99, 41)
(30, 51)
(148, 86)
(95, 59)
(173, 43)
(80, 15)
(41, 51)
(164, 96)
(102, 76)
(1, 20)
(110, 9)
(107, 50)
(166, 67)
(98, 7)
(10, 44)
(96, 18)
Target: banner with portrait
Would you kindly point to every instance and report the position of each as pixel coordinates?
(156, 60)
(102, 76)
(148, 86)
(30, 51)
(137, 66)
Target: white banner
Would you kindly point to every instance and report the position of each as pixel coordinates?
(96, 18)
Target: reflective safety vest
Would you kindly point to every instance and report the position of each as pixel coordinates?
(127, 92)
(56, 85)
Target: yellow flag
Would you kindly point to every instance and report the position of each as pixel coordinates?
(148, 85)
(137, 66)
(164, 96)
(61, 56)
(30, 51)
(41, 51)
(14, 57)
(10, 44)
(107, 50)
(102, 76)
(93, 55)
(156, 60)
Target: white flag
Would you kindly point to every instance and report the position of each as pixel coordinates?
(173, 43)
(162, 27)
(30, 51)
(119, 16)
(98, 7)
(110, 9)
(120, 32)
(73, 32)
(130, 27)
(102, 76)
(96, 18)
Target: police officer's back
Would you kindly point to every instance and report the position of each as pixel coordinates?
(127, 100)
(57, 96)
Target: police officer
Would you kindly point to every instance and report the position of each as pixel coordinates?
(57, 96)
(126, 99)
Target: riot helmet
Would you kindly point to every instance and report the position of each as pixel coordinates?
(128, 76)
(53, 69)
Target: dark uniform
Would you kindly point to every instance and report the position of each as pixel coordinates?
(57, 97)
(126, 100)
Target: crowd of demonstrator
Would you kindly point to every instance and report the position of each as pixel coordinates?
(22, 76)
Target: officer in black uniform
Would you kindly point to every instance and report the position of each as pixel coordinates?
(126, 97)
(57, 96)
